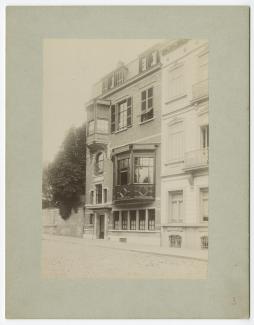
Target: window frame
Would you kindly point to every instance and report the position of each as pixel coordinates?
(143, 219)
(144, 115)
(124, 215)
(151, 221)
(116, 114)
(175, 241)
(179, 220)
(97, 170)
(116, 222)
(144, 166)
(133, 225)
(203, 190)
(119, 171)
(204, 242)
(97, 186)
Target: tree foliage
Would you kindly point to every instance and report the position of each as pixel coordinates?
(66, 174)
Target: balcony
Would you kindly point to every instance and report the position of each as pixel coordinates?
(196, 159)
(200, 90)
(97, 141)
(133, 193)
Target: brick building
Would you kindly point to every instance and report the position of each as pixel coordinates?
(124, 154)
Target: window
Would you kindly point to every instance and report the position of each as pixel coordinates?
(123, 171)
(175, 241)
(152, 59)
(142, 219)
(91, 197)
(102, 126)
(204, 242)
(204, 204)
(176, 206)
(148, 61)
(176, 82)
(119, 77)
(203, 67)
(105, 194)
(91, 127)
(121, 115)
(146, 104)
(151, 219)
(111, 81)
(205, 136)
(113, 118)
(175, 148)
(98, 189)
(143, 63)
(91, 217)
(116, 219)
(99, 163)
(124, 220)
(144, 170)
(133, 219)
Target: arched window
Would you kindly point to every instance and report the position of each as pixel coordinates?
(175, 241)
(99, 163)
(204, 242)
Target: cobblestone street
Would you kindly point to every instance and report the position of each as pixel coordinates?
(77, 258)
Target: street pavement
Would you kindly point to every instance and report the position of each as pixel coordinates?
(72, 258)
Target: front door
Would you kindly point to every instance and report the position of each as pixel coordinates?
(102, 226)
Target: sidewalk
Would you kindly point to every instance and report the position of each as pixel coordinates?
(201, 255)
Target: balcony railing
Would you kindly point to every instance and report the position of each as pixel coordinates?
(200, 90)
(196, 159)
(133, 193)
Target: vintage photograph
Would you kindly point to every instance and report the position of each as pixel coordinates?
(125, 159)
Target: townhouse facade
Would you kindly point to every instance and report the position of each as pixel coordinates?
(147, 149)
(124, 154)
(185, 144)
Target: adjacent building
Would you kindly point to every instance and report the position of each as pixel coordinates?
(185, 143)
(147, 149)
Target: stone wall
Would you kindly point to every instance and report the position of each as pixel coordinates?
(53, 223)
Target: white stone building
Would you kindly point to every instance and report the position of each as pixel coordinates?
(185, 143)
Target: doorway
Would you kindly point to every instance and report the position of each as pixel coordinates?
(101, 226)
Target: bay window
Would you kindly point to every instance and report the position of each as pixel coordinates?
(144, 170)
(123, 171)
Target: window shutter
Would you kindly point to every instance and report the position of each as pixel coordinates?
(129, 112)
(113, 118)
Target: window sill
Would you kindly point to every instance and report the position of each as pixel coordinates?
(144, 122)
(122, 130)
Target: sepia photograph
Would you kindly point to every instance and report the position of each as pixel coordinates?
(125, 132)
(127, 162)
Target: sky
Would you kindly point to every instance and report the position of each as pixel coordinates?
(70, 68)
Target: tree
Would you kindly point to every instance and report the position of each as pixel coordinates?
(67, 172)
(46, 189)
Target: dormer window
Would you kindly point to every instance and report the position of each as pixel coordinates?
(143, 64)
(148, 61)
(115, 79)
(153, 58)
